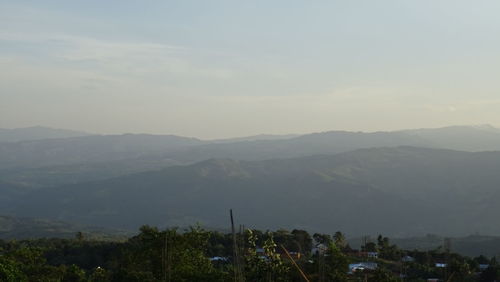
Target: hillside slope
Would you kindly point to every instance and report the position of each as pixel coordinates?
(396, 191)
(64, 161)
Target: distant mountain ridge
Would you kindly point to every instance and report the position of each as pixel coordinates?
(78, 159)
(34, 228)
(37, 133)
(397, 183)
(88, 149)
(465, 138)
(396, 191)
(256, 138)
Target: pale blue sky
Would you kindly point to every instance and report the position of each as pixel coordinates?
(230, 68)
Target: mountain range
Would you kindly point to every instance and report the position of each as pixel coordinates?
(404, 183)
(37, 133)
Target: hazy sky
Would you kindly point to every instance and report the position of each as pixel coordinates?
(231, 68)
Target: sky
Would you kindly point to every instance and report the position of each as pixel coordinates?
(217, 69)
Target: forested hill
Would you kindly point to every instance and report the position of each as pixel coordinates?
(403, 191)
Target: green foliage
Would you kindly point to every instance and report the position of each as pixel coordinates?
(20, 263)
(336, 264)
(181, 256)
(10, 270)
(324, 239)
(99, 274)
(339, 239)
(369, 247)
(303, 241)
(492, 273)
(73, 273)
(269, 266)
(168, 255)
(386, 250)
(460, 270)
(383, 275)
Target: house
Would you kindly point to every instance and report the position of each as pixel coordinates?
(219, 259)
(483, 267)
(295, 255)
(319, 249)
(362, 266)
(260, 251)
(408, 259)
(364, 254)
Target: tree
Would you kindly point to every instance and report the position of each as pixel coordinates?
(10, 271)
(79, 236)
(386, 250)
(142, 258)
(383, 275)
(269, 267)
(99, 274)
(33, 265)
(73, 273)
(369, 247)
(339, 240)
(492, 273)
(336, 264)
(303, 240)
(459, 269)
(324, 239)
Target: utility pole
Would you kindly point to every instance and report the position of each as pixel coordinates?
(166, 259)
(321, 265)
(447, 248)
(236, 261)
(164, 256)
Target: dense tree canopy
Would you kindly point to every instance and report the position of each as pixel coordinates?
(196, 254)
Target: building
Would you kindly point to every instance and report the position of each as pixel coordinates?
(408, 259)
(362, 266)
